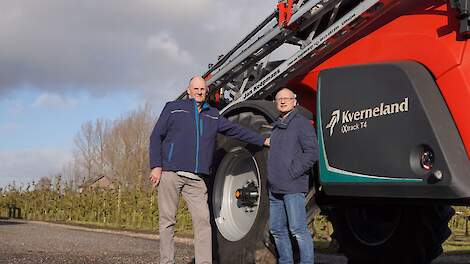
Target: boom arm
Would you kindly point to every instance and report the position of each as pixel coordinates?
(316, 26)
(464, 15)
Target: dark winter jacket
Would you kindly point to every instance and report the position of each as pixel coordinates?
(184, 138)
(293, 151)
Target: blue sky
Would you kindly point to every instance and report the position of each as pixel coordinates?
(31, 119)
(37, 129)
(63, 63)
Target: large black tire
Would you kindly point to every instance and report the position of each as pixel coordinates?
(391, 234)
(237, 239)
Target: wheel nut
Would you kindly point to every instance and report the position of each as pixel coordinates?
(438, 175)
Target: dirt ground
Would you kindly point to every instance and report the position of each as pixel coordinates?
(38, 242)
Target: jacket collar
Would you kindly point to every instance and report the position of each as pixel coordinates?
(284, 122)
(205, 105)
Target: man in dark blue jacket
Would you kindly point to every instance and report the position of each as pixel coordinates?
(293, 151)
(181, 148)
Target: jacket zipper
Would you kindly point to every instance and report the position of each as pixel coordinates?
(196, 113)
(200, 126)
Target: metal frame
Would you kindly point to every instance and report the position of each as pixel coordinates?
(243, 73)
(464, 15)
(268, 82)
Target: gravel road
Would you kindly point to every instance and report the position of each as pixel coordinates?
(37, 242)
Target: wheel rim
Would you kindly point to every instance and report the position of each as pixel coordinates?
(373, 225)
(237, 170)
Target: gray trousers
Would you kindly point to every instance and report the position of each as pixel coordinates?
(195, 194)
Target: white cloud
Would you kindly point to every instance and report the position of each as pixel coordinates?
(26, 166)
(54, 101)
(178, 10)
(169, 47)
(103, 46)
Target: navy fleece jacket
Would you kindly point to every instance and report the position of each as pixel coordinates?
(184, 138)
(293, 151)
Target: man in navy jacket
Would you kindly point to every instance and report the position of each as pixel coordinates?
(181, 149)
(293, 151)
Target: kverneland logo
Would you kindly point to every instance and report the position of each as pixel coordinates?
(333, 121)
(350, 116)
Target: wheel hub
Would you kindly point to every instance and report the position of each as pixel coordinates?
(236, 194)
(248, 195)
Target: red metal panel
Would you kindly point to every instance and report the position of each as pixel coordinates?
(455, 87)
(422, 31)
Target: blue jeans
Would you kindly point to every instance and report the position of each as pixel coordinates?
(287, 213)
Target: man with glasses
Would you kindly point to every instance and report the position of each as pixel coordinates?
(293, 151)
(181, 149)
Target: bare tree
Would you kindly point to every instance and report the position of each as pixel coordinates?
(118, 149)
(99, 144)
(128, 144)
(84, 155)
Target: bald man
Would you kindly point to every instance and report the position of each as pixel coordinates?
(293, 151)
(181, 150)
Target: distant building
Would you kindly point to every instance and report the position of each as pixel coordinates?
(101, 182)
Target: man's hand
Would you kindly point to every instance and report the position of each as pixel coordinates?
(155, 175)
(267, 142)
